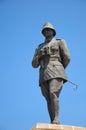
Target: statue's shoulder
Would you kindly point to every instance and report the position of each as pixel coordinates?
(61, 41)
(58, 39)
(41, 45)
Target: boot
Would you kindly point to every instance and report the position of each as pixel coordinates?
(50, 111)
(54, 109)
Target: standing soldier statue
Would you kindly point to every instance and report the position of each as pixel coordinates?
(53, 57)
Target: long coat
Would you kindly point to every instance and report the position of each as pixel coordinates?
(52, 57)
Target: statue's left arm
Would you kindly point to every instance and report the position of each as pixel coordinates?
(65, 55)
(35, 61)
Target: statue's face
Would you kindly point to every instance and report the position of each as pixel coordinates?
(48, 32)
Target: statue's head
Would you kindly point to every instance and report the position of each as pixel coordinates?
(48, 26)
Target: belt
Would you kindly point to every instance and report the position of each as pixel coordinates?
(45, 61)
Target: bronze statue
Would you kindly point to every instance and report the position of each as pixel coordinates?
(53, 57)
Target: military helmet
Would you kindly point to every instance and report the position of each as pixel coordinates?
(48, 25)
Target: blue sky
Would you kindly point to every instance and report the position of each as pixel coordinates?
(21, 21)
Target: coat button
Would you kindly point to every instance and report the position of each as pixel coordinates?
(53, 65)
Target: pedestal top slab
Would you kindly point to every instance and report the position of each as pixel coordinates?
(40, 126)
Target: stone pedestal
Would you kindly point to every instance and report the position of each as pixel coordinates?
(40, 126)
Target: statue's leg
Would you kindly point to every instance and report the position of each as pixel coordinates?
(54, 108)
(55, 86)
(45, 93)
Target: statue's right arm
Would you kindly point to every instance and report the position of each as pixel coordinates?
(35, 61)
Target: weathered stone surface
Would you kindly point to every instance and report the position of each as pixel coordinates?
(40, 126)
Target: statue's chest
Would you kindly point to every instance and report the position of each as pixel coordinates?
(53, 46)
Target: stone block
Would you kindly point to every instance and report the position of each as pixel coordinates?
(40, 126)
